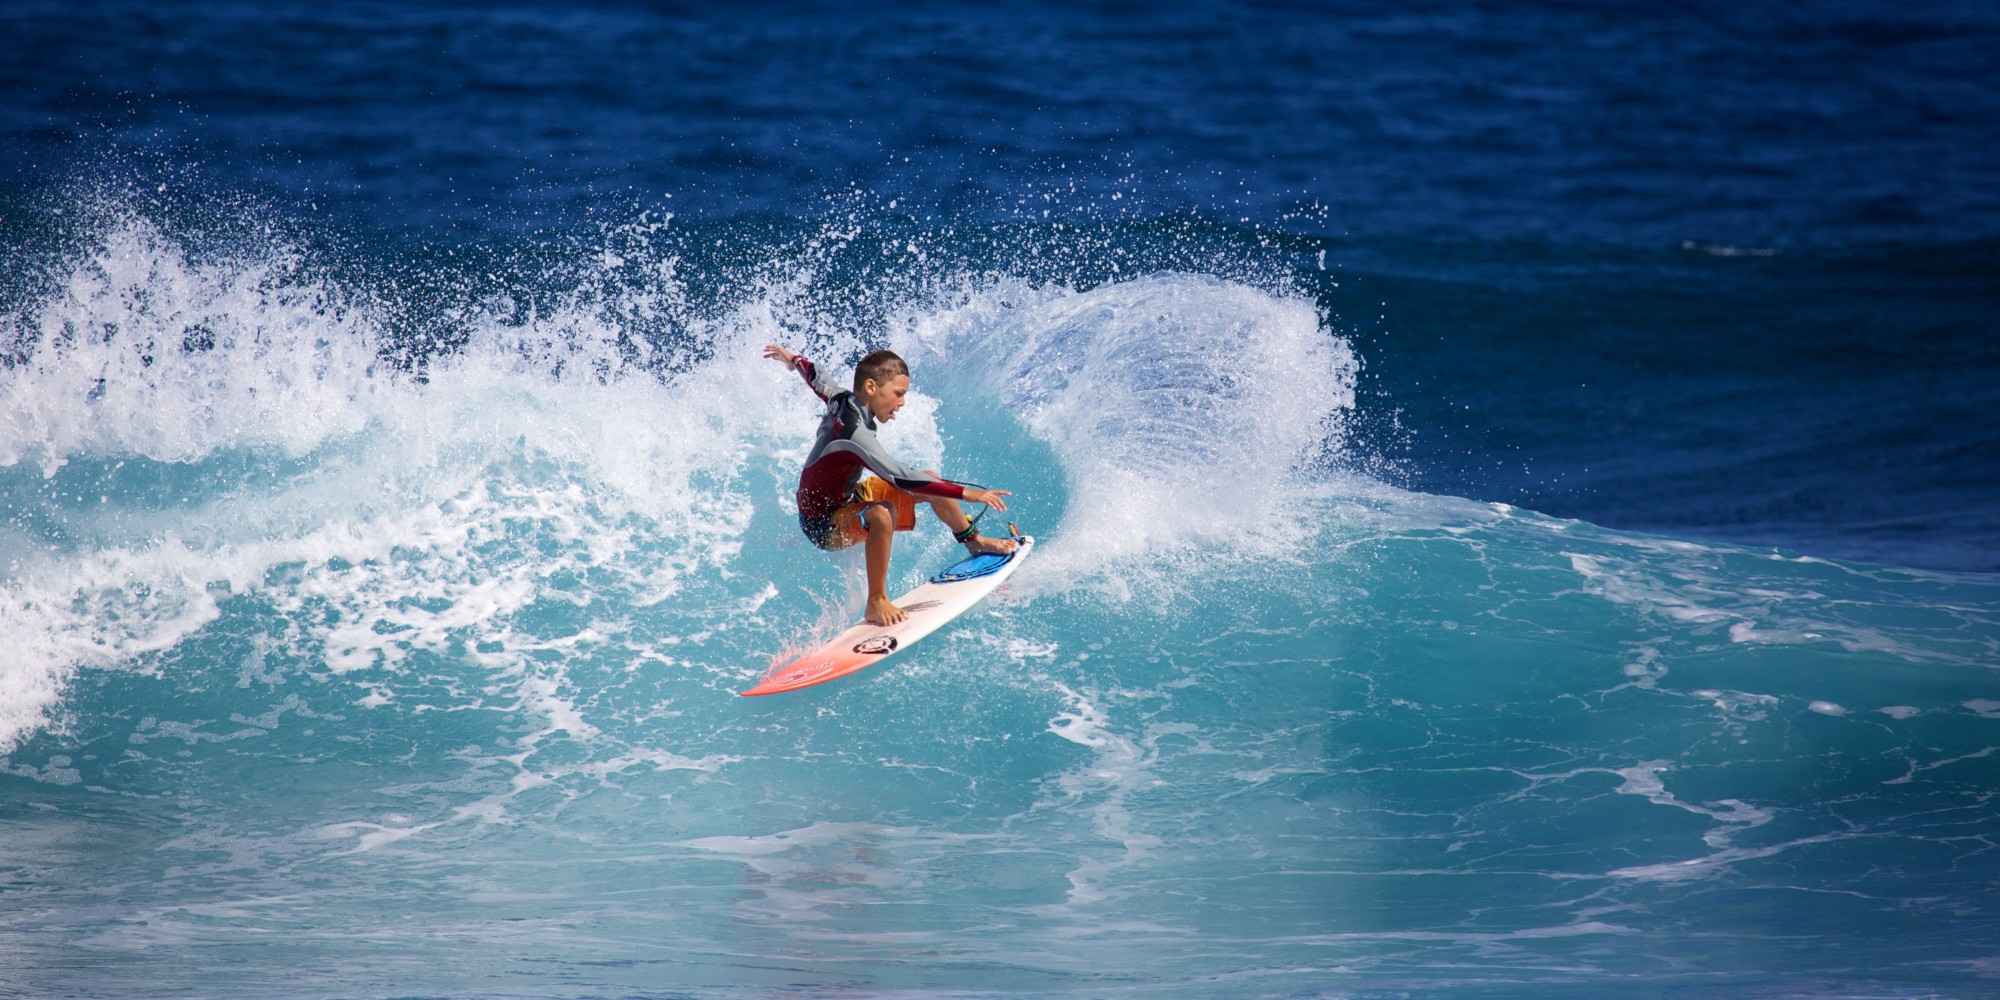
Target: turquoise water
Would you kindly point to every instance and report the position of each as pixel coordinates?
(334, 677)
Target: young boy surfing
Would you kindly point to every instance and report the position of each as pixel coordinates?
(838, 508)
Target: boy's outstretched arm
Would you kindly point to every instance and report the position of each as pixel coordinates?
(991, 498)
(807, 370)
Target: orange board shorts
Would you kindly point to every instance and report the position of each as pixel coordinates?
(845, 526)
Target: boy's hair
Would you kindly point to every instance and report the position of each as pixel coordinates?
(880, 366)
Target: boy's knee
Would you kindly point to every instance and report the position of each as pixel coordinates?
(878, 518)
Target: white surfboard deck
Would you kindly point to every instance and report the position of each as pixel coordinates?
(930, 606)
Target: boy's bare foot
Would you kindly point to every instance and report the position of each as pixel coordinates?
(881, 612)
(979, 544)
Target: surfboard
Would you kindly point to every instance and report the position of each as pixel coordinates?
(931, 606)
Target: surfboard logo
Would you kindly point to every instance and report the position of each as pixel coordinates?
(879, 645)
(804, 672)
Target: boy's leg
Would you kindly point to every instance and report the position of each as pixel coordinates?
(881, 536)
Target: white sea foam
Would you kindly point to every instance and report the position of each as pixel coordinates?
(146, 350)
(1703, 588)
(1105, 785)
(1712, 865)
(369, 836)
(1184, 410)
(1732, 817)
(398, 491)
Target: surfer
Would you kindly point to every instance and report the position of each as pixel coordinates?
(838, 508)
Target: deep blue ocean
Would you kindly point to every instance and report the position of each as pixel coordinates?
(1518, 485)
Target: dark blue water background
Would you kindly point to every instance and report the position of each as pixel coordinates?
(1722, 270)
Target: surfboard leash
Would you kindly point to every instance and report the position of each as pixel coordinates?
(972, 526)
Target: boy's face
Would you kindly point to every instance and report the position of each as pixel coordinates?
(884, 398)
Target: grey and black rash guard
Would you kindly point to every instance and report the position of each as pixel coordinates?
(846, 445)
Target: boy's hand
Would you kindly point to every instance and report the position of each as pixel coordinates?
(776, 353)
(991, 498)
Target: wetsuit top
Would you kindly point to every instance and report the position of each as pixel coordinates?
(847, 444)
